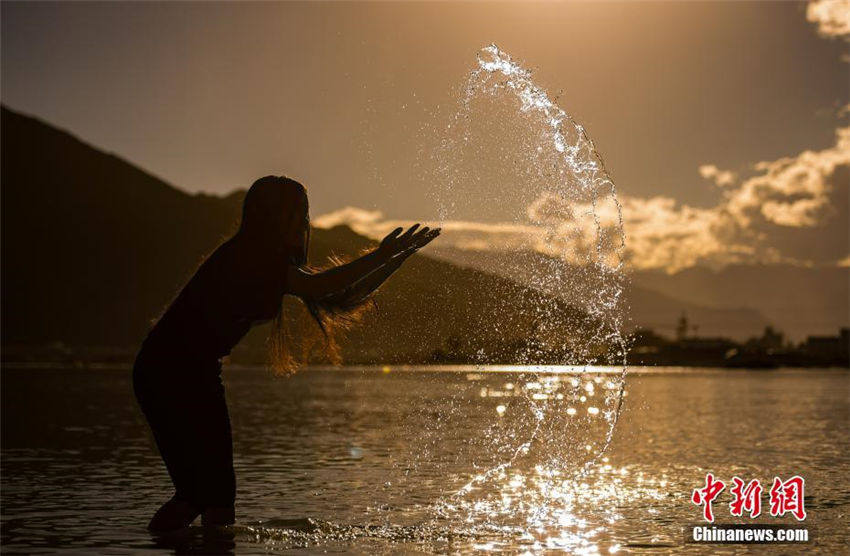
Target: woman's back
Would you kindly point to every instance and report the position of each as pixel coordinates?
(230, 291)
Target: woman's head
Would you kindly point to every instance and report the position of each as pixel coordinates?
(275, 213)
(275, 220)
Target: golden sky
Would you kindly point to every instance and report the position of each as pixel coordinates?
(721, 123)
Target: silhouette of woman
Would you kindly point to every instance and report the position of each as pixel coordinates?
(177, 372)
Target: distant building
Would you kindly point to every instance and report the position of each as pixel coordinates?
(645, 340)
(829, 349)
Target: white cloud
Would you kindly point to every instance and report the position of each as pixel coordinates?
(722, 178)
(793, 209)
(831, 16)
(461, 234)
(792, 191)
(349, 216)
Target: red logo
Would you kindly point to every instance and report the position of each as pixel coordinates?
(785, 497)
(706, 495)
(745, 497)
(788, 497)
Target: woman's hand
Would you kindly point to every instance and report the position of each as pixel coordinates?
(416, 242)
(414, 238)
(394, 249)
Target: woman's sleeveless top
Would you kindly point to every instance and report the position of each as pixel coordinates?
(228, 294)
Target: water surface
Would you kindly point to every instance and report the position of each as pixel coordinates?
(367, 461)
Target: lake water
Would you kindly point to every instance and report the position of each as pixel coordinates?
(367, 461)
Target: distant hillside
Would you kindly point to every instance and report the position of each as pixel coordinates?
(736, 302)
(648, 307)
(94, 248)
(430, 303)
(800, 301)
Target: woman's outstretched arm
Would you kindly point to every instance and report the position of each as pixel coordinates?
(335, 280)
(357, 292)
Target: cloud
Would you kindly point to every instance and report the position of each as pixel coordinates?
(793, 210)
(831, 16)
(722, 178)
(349, 216)
(792, 191)
(549, 208)
(662, 234)
(460, 234)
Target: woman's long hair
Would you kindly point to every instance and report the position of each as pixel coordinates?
(273, 205)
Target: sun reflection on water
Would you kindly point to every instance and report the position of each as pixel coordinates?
(546, 508)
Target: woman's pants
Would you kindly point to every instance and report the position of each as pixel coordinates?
(187, 413)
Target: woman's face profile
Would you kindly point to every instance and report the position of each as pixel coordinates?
(298, 232)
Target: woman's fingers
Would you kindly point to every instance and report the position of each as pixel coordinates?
(409, 233)
(392, 236)
(414, 237)
(411, 236)
(424, 232)
(421, 239)
(426, 237)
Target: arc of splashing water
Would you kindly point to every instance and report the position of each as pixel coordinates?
(592, 176)
(535, 98)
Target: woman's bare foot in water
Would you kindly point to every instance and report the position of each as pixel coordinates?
(218, 516)
(174, 514)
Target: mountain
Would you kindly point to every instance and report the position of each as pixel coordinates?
(648, 307)
(431, 303)
(737, 301)
(798, 300)
(94, 249)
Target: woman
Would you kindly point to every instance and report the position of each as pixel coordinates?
(177, 373)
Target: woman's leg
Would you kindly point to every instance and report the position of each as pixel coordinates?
(174, 514)
(168, 427)
(217, 479)
(191, 426)
(219, 516)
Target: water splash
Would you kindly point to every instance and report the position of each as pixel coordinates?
(568, 137)
(540, 172)
(585, 179)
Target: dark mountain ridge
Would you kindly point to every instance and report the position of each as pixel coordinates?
(800, 301)
(94, 249)
(647, 307)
